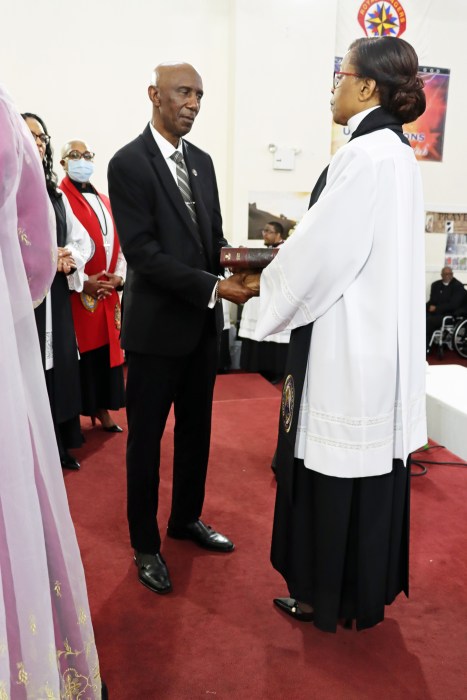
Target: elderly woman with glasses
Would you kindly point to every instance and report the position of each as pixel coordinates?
(350, 283)
(53, 317)
(96, 309)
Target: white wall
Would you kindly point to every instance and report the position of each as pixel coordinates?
(266, 66)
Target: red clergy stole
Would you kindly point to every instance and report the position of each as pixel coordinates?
(97, 321)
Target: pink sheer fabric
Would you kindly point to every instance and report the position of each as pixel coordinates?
(47, 647)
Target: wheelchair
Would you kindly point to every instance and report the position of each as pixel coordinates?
(452, 335)
(460, 338)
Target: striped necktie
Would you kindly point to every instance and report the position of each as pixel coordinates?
(184, 185)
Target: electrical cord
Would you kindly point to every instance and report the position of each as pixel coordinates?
(420, 462)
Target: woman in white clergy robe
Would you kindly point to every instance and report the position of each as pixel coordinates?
(350, 283)
(47, 647)
(54, 317)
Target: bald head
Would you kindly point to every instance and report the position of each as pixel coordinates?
(175, 93)
(167, 71)
(447, 274)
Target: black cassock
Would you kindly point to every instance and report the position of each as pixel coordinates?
(63, 381)
(342, 545)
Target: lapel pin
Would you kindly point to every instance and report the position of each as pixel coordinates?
(194, 172)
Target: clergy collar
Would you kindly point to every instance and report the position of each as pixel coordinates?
(83, 187)
(166, 148)
(356, 120)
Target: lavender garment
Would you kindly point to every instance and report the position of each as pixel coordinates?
(46, 638)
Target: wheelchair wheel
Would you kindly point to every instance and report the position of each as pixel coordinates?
(460, 338)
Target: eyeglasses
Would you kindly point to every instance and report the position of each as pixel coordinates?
(45, 138)
(77, 155)
(338, 74)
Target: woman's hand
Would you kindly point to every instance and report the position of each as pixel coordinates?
(98, 288)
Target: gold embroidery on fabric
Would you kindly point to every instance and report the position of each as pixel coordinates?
(118, 317)
(3, 693)
(82, 617)
(58, 589)
(32, 624)
(23, 678)
(75, 684)
(23, 236)
(89, 302)
(68, 651)
(49, 693)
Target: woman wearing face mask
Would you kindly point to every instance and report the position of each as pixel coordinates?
(96, 309)
(54, 319)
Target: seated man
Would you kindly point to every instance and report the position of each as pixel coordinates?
(447, 296)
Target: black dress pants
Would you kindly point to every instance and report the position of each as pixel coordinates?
(154, 383)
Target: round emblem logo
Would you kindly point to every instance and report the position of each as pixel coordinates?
(89, 302)
(382, 18)
(287, 403)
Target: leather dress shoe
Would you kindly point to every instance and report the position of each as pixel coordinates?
(292, 608)
(152, 572)
(69, 462)
(203, 535)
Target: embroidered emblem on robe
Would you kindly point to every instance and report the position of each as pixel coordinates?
(118, 317)
(287, 403)
(89, 302)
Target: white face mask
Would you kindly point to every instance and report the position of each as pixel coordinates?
(80, 170)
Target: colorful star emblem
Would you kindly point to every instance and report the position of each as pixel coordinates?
(382, 18)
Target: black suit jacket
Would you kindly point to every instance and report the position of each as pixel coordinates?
(171, 272)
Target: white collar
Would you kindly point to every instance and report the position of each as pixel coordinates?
(356, 120)
(167, 149)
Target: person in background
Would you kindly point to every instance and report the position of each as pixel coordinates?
(46, 634)
(268, 356)
(54, 319)
(96, 309)
(353, 402)
(447, 296)
(164, 196)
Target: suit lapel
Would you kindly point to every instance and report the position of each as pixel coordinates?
(167, 180)
(195, 171)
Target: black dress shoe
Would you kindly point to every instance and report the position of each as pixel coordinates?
(152, 572)
(113, 429)
(203, 535)
(291, 607)
(69, 462)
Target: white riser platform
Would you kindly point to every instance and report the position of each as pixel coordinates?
(446, 407)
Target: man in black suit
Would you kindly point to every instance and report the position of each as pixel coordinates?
(447, 297)
(169, 222)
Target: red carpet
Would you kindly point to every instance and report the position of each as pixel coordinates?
(217, 635)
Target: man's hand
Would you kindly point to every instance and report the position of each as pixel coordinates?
(233, 289)
(98, 288)
(252, 280)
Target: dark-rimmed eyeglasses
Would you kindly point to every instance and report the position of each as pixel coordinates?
(77, 155)
(339, 74)
(45, 138)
